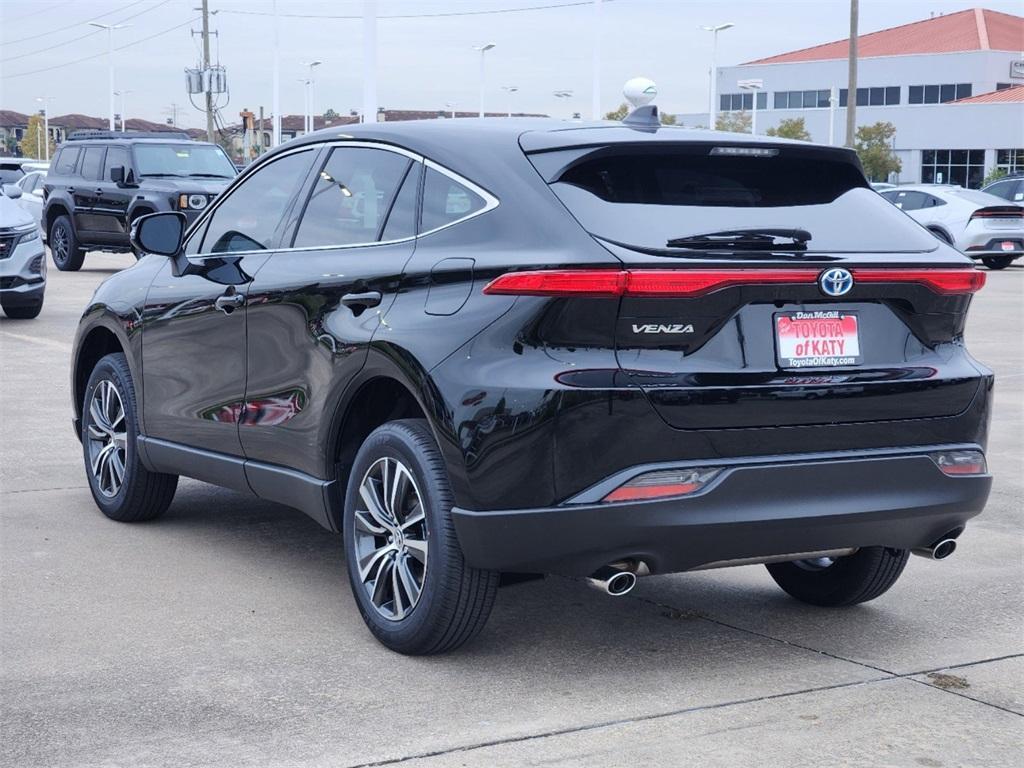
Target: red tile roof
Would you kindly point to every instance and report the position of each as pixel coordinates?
(1014, 95)
(12, 119)
(976, 29)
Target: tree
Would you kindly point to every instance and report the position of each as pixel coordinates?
(330, 114)
(874, 146)
(791, 128)
(32, 140)
(734, 122)
(623, 110)
(993, 176)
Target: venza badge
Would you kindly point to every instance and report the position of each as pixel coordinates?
(657, 328)
(835, 282)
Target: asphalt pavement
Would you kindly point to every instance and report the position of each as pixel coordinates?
(224, 634)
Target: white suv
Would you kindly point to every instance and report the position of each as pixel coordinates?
(22, 259)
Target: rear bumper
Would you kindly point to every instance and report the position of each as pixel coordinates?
(757, 508)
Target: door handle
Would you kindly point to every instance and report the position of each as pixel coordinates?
(229, 302)
(71, 190)
(362, 300)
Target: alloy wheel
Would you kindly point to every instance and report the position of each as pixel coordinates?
(59, 244)
(108, 438)
(815, 563)
(390, 537)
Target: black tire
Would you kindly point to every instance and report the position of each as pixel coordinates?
(21, 311)
(997, 262)
(860, 577)
(64, 249)
(455, 599)
(142, 495)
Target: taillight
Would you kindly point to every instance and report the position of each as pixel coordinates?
(946, 281)
(964, 462)
(687, 283)
(999, 212)
(662, 484)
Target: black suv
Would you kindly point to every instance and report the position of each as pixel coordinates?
(99, 182)
(484, 349)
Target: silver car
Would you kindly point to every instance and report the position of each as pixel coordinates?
(22, 259)
(31, 185)
(982, 226)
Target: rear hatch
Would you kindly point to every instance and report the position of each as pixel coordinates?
(768, 285)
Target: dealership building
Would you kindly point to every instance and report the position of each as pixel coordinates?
(952, 85)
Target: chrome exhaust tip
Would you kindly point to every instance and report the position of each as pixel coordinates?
(938, 551)
(613, 581)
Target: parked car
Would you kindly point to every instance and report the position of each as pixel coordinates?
(485, 348)
(100, 182)
(31, 185)
(22, 259)
(13, 168)
(979, 225)
(881, 186)
(1009, 188)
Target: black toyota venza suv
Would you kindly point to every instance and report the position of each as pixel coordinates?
(487, 348)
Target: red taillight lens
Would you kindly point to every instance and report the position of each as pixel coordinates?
(999, 212)
(639, 282)
(945, 281)
(687, 283)
(957, 463)
(655, 485)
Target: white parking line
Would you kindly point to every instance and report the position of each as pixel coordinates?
(62, 346)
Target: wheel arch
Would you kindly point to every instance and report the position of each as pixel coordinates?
(97, 340)
(53, 211)
(941, 232)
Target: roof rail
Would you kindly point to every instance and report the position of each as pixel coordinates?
(89, 133)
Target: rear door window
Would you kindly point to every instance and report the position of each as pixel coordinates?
(351, 197)
(92, 163)
(66, 161)
(646, 195)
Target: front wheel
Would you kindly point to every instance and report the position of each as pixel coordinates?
(997, 262)
(122, 487)
(413, 587)
(842, 581)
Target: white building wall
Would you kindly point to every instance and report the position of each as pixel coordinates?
(918, 126)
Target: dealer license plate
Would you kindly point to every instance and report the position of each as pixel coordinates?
(820, 339)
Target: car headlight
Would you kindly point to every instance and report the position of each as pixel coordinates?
(194, 202)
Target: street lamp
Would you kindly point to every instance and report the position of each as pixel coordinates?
(563, 94)
(311, 85)
(305, 103)
(754, 86)
(450, 105)
(44, 100)
(483, 50)
(510, 89)
(712, 95)
(124, 115)
(110, 59)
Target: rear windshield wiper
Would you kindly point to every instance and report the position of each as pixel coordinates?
(746, 240)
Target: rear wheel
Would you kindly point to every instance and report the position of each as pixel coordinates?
(997, 262)
(64, 250)
(842, 581)
(413, 587)
(122, 487)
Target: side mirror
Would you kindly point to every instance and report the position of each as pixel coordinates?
(12, 191)
(160, 233)
(117, 174)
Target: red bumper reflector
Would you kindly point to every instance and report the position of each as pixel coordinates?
(966, 462)
(655, 485)
(684, 283)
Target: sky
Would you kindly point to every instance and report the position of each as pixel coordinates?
(424, 62)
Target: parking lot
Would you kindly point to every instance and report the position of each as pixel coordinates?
(225, 633)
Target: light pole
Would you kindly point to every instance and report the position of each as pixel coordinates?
(44, 100)
(311, 97)
(564, 94)
(595, 72)
(369, 61)
(510, 89)
(110, 60)
(483, 51)
(305, 103)
(451, 107)
(276, 96)
(754, 86)
(124, 116)
(713, 87)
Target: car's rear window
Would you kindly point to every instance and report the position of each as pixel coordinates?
(645, 195)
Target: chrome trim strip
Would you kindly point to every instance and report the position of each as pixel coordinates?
(490, 201)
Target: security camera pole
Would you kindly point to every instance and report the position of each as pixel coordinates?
(206, 69)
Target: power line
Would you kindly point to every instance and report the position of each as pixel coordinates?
(103, 53)
(72, 26)
(87, 34)
(47, 9)
(440, 14)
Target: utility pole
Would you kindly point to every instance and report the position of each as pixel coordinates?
(206, 70)
(369, 61)
(275, 107)
(595, 65)
(851, 88)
